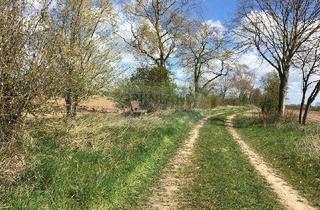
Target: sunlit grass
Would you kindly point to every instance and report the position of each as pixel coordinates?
(222, 177)
(290, 148)
(96, 161)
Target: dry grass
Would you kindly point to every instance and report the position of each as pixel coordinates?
(92, 104)
(12, 168)
(311, 145)
(93, 130)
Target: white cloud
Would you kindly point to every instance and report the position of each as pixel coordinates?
(216, 24)
(255, 64)
(129, 59)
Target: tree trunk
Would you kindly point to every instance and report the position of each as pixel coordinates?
(196, 89)
(10, 114)
(282, 93)
(304, 91)
(69, 103)
(9, 127)
(75, 106)
(311, 99)
(224, 93)
(306, 111)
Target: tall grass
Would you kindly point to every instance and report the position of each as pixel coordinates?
(97, 161)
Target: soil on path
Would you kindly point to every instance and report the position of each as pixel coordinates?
(164, 194)
(289, 197)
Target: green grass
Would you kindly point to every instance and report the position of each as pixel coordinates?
(222, 177)
(285, 149)
(96, 162)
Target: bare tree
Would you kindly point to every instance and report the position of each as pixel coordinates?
(308, 62)
(277, 29)
(25, 65)
(223, 86)
(202, 50)
(155, 28)
(243, 83)
(313, 95)
(82, 30)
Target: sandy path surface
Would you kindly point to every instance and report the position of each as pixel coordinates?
(165, 192)
(289, 197)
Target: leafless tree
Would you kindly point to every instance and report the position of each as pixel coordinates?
(243, 82)
(277, 29)
(223, 86)
(314, 93)
(202, 50)
(308, 62)
(155, 28)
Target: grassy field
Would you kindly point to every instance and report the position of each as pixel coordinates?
(222, 177)
(111, 161)
(97, 161)
(292, 150)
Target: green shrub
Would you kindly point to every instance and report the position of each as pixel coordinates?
(269, 101)
(150, 96)
(151, 86)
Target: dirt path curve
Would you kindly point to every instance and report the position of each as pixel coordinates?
(165, 192)
(289, 197)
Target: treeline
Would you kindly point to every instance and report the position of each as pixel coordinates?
(70, 49)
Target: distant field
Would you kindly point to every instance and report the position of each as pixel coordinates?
(313, 116)
(94, 103)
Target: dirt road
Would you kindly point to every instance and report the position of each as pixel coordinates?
(289, 197)
(164, 193)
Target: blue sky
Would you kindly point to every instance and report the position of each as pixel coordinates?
(221, 10)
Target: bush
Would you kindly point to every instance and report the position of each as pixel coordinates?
(151, 97)
(269, 118)
(153, 88)
(208, 101)
(269, 101)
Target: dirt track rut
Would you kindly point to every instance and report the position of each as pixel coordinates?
(288, 196)
(165, 192)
